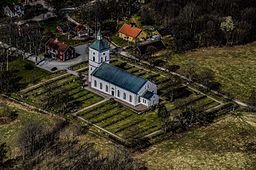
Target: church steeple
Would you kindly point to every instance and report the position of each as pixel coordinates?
(98, 53)
(99, 35)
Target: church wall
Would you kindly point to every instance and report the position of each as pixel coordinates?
(127, 96)
(113, 91)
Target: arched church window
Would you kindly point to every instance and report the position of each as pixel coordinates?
(100, 85)
(118, 93)
(95, 83)
(124, 95)
(130, 98)
(106, 88)
(93, 59)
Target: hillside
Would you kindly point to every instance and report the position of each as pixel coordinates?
(228, 143)
(234, 67)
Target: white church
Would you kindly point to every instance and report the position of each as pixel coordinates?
(115, 81)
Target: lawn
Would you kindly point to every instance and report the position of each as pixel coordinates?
(75, 91)
(235, 67)
(119, 41)
(9, 132)
(228, 143)
(27, 73)
(118, 119)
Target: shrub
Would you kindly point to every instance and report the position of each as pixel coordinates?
(29, 66)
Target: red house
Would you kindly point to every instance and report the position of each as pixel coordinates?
(59, 50)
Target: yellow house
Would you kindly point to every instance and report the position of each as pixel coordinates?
(131, 33)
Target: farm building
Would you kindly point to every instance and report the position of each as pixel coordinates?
(115, 81)
(59, 50)
(131, 33)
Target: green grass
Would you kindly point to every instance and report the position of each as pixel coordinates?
(9, 132)
(78, 94)
(225, 144)
(27, 76)
(234, 67)
(119, 41)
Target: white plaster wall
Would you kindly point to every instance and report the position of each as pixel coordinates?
(95, 64)
(115, 90)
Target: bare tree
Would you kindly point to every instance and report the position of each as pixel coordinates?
(164, 117)
(252, 100)
(29, 137)
(3, 152)
(228, 27)
(190, 70)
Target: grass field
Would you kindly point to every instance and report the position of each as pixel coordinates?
(23, 71)
(72, 83)
(235, 67)
(9, 132)
(228, 143)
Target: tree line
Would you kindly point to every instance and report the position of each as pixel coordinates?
(202, 23)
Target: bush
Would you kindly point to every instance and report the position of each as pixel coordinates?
(29, 66)
(7, 115)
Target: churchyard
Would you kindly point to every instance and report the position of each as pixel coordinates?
(77, 96)
(114, 117)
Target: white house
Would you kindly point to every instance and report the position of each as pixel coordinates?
(115, 81)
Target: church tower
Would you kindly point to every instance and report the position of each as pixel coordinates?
(98, 53)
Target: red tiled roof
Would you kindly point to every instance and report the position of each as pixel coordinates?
(57, 45)
(129, 30)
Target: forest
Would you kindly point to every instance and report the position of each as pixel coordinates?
(192, 23)
(203, 23)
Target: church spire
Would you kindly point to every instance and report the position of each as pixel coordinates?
(99, 35)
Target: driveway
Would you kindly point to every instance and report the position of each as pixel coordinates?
(48, 64)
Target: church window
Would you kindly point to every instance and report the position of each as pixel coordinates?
(124, 95)
(118, 93)
(103, 53)
(100, 85)
(106, 58)
(106, 88)
(101, 59)
(93, 53)
(93, 58)
(130, 98)
(95, 83)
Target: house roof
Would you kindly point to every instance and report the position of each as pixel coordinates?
(148, 95)
(129, 30)
(119, 77)
(57, 45)
(100, 44)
